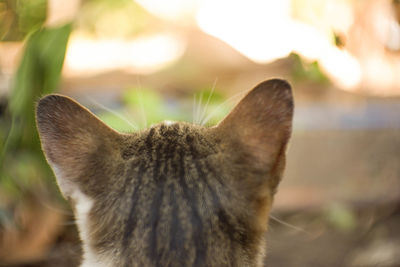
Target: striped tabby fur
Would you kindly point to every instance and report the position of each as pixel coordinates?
(175, 194)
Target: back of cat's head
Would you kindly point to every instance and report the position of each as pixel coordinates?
(176, 194)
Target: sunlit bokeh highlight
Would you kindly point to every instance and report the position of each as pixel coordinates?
(144, 54)
(60, 12)
(264, 31)
(171, 9)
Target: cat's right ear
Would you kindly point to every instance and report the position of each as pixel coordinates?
(73, 139)
(259, 127)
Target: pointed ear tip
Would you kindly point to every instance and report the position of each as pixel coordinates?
(50, 103)
(278, 87)
(49, 100)
(52, 100)
(276, 83)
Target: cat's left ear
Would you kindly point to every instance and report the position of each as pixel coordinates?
(76, 143)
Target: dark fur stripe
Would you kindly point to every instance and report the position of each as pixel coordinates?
(153, 252)
(132, 217)
(197, 224)
(183, 180)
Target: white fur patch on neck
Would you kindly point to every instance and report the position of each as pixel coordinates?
(83, 206)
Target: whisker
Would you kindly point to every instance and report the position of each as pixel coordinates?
(296, 228)
(55, 209)
(208, 101)
(116, 114)
(127, 114)
(143, 113)
(198, 112)
(194, 109)
(206, 119)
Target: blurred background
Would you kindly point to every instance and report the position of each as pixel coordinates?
(135, 63)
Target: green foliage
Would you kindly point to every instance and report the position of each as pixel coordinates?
(307, 71)
(118, 120)
(148, 107)
(39, 73)
(20, 17)
(211, 106)
(144, 107)
(147, 104)
(23, 167)
(32, 14)
(341, 217)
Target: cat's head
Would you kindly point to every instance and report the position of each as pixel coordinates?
(176, 194)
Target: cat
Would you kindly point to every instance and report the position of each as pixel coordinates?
(176, 194)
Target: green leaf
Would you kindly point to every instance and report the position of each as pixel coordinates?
(341, 217)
